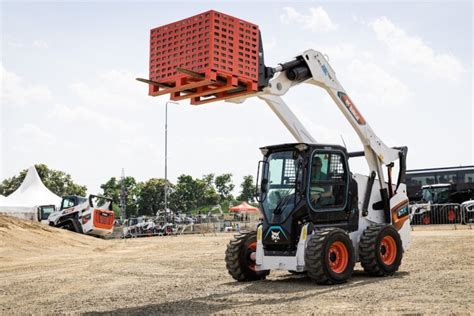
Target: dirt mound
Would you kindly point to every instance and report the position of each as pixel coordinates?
(18, 236)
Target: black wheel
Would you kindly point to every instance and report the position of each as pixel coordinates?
(329, 256)
(380, 250)
(240, 258)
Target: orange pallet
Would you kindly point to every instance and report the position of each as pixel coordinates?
(208, 57)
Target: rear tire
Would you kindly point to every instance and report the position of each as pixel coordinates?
(380, 250)
(238, 258)
(329, 256)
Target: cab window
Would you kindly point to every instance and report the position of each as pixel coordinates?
(68, 202)
(328, 181)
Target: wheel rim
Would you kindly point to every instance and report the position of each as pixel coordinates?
(388, 250)
(252, 247)
(451, 216)
(338, 257)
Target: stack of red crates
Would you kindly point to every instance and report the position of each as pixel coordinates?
(217, 46)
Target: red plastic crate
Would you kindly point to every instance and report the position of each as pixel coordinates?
(221, 48)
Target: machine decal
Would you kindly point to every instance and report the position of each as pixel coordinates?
(351, 107)
(273, 234)
(276, 236)
(324, 69)
(400, 214)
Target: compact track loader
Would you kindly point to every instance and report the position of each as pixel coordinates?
(92, 216)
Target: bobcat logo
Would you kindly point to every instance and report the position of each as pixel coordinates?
(275, 236)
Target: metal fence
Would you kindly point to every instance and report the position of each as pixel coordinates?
(442, 214)
(204, 227)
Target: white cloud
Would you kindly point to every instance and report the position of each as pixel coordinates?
(112, 89)
(317, 21)
(40, 44)
(271, 44)
(16, 92)
(374, 86)
(82, 116)
(30, 135)
(333, 52)
(413, 51)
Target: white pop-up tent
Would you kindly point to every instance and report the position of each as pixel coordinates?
(32, 193)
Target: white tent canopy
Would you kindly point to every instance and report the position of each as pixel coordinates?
(24, 202)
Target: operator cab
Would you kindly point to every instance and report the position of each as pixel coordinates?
(71, 200)
(304, 183)
(436, 193)
(44, 211)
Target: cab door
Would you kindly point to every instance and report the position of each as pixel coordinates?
(328, 189)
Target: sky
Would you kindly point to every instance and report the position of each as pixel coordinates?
(69, 98)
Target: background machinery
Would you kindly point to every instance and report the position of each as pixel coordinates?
(319, 217)
(92, 216)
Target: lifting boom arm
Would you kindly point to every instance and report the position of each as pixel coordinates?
(313, 68)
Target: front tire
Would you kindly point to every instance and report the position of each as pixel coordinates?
(380, 250)
(240, 258)
(329, 256)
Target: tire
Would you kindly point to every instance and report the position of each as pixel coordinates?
(380, 250)
(238, 261)
(329, 256)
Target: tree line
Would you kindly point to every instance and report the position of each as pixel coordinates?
(188, 194)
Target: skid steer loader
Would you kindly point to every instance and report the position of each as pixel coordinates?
(318, 216)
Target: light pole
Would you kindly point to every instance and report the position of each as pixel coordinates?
(166, 153)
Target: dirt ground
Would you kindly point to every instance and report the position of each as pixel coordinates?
(46, 270)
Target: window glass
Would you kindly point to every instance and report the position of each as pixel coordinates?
(280, 189)
(447, 177)
(67, 202)
(422, 180)
(469, 177)
(328, 181)
(45, 211)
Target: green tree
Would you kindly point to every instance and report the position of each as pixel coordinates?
(248, 189)
(112, 188)
(224, 186)
(184, 195)
(207, 194)
(190, 193)
(59, 182)
(152, 196)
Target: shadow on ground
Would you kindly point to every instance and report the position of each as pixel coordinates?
(236, 297)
